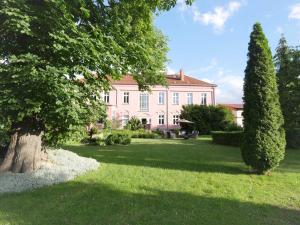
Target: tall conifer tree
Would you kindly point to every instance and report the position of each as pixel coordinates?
(264, 142)
(287, 62)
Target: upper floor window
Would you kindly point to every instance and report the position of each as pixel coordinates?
(126, 98)
(106, 97)
(189, 98)
(161, 119)
(175, 98)
(175, 119)
(144, 101)
(161, 98)
(203, 98)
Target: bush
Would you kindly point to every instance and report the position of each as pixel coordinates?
(293, 138)
(232, 138)
(123, 139)
(134, 124)
(207, 118)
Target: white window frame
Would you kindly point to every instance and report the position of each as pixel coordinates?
(175, 119)
(203, 98)
(161, 119)
(161, 98)
(190, 98)
(106, 97)
(126, 97)
(144, 106)
(175, 98)
(125, 119)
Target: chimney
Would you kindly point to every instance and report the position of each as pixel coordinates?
(181, 75)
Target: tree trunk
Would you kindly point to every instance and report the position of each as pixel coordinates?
(25, 149)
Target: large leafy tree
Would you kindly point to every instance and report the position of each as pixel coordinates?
(264, 141)
(287, 62)
(47, 45)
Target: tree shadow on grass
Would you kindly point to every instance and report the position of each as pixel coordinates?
(191, 157)
(96, 203)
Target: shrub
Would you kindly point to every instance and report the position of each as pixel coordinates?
(207, 118)
(92, 131)
(134, 124)
(232, 138)
(125, 139)
(293, 138)
(110, 140)
(118, 138)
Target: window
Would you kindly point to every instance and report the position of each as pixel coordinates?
(203, 98)
(175, 98)
(161, 98)
(113, 116)
(144, 101)
(161, 119)
(125, 119)
(106, 97)
(126, 98)
(190, 98)
(175, 119)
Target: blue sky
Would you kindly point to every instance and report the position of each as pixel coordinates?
(209, 40)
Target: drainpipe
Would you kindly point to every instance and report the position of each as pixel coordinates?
(167, 107)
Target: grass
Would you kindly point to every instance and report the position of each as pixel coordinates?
(164, 182)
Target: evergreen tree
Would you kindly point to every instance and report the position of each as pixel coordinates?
(287, 62)
(264, 143)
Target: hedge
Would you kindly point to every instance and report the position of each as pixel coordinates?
(293, 138)
(232, 138)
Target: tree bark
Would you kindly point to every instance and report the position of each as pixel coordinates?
(25, 149)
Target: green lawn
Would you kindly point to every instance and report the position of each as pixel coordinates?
(164, 182)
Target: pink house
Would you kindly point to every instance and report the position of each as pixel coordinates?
(160, 108)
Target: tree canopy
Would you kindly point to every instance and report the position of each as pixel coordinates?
(46, 45)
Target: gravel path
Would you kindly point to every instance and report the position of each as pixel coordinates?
(62, 166)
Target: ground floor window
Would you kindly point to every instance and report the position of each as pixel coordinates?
(125, 119)
(175, 119)
(161, 119)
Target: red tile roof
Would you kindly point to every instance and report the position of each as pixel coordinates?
(173, 80)
(234, 106)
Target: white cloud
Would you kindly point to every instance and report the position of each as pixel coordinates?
(212, 64)
(182, 6)
(279, 30)
(218, 17)
(295, 12)
(170, 70)
(230, 86)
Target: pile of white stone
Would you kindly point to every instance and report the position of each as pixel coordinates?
(61, 166)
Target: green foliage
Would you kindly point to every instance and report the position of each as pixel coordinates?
(46, 45)
(234, 127)
(134, 124)
(231, 138)
(208, 118)
(4, 134)
(118, 138)
(138, 133)
(264, 143)
(287, 62)
(293, 138)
